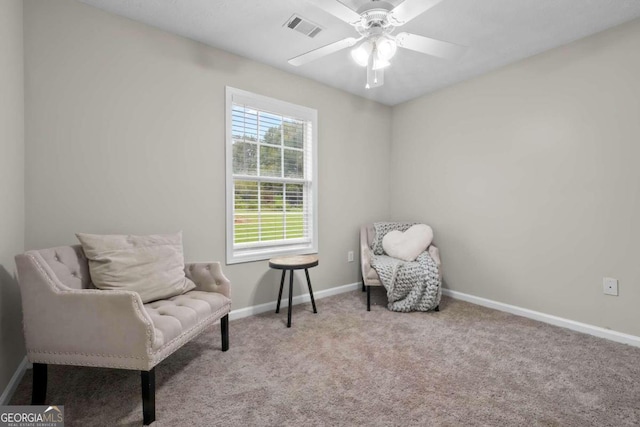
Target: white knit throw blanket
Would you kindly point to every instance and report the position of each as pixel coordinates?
(411, 286)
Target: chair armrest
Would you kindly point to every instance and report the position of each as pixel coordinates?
(208, 277)
(435, 254)
(365, 254)
(58, 320)
(364, 244)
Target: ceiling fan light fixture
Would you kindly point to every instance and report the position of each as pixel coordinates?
(361, 53)
(386, 48)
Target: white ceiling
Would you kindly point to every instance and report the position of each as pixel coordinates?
(497, 32)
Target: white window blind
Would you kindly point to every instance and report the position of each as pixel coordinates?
(271, 177)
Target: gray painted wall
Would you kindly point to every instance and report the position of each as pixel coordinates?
(529, 176)
(126, 134)
(11, 184)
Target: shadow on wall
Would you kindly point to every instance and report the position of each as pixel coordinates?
(172, 48)
(11, 337)
(266, 289)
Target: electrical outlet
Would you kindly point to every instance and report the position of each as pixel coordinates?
(610, 286)
(350, 256)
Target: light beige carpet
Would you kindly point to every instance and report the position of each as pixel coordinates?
(464, 366)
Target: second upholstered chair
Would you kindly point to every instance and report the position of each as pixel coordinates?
(370, 277)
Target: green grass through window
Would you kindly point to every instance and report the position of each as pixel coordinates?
(250, 227)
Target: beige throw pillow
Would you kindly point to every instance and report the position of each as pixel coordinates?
(152, 266)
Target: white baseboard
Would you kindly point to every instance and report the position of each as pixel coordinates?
(7, 394)
(547, 318)
(271, 306)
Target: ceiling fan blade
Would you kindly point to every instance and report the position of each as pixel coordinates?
(338, 10)
(323, 51)
(409, 9)
(430, 46)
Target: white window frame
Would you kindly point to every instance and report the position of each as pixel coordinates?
(237, 253)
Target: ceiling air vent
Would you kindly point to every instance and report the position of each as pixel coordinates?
(303, 25)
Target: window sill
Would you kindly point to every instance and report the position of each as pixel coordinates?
(239, 257)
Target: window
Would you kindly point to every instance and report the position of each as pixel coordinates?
(271, 177)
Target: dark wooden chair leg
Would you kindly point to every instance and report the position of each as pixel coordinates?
(437, 308)
(290, 297)
(368, 298)
(148, 396)
(224, 328)
(364, 288)
(39, 391)
(280, 293)
(313, 302)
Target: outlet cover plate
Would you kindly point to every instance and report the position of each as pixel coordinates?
(610, 286)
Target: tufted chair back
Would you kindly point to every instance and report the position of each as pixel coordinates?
(69, 265)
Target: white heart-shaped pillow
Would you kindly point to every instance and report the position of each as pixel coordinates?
(408, 245)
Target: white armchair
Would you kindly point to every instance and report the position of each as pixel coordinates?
(369, 275)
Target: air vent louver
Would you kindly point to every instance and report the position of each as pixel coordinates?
(303, 26)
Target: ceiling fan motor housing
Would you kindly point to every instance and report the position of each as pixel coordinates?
(374, 22)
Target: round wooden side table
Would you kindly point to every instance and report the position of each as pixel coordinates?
(292, 263)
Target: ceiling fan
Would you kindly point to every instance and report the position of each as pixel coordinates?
(376, 23)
